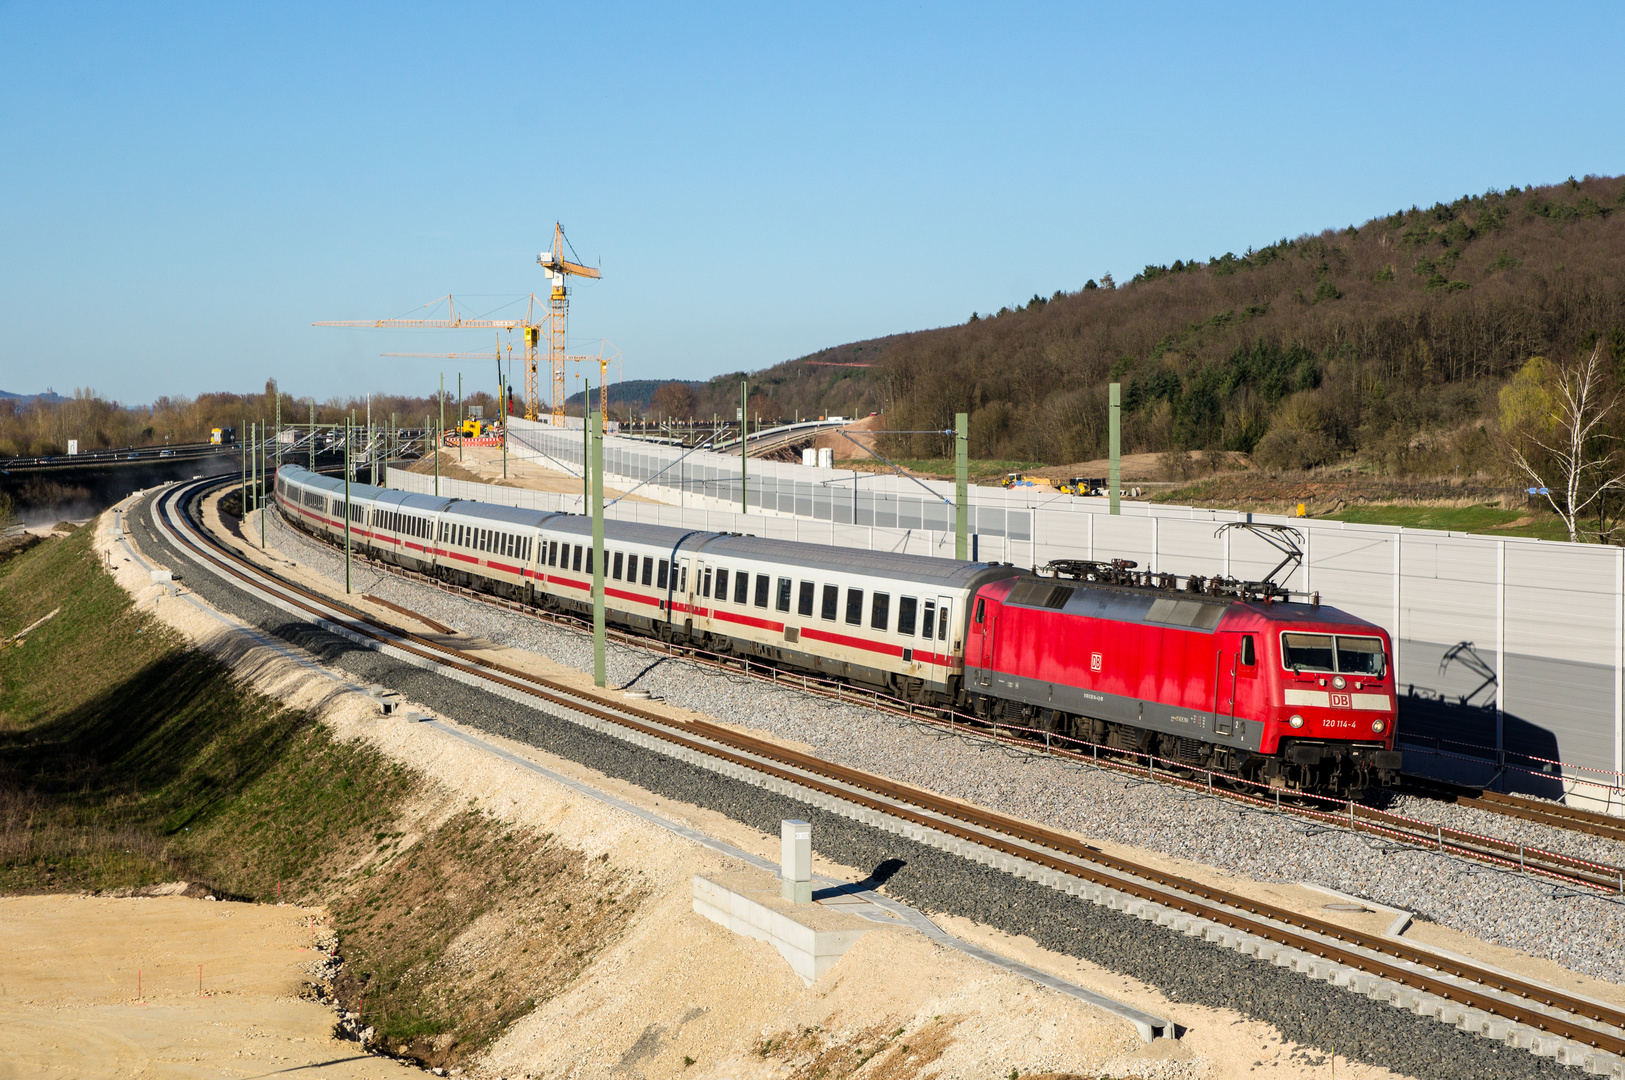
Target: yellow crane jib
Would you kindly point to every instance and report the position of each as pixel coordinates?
(557, 268)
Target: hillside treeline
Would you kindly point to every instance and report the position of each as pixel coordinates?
(1389, 340)
(43, 427)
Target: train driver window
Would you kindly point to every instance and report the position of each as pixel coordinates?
(763, 583)
(1249, 657)
(648, 568)
(804, 604)
(741, 586)
(660, 583)
(616, 571)
(722, 583)
(880, 611)
(832, 601)
(981, 610)
(854, 607)
(906, 609)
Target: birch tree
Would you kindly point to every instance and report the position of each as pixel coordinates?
(1579, 460)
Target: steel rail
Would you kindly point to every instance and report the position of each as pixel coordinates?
(1387, 958)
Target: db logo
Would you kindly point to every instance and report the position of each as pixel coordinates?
(1094, 661)
(1342, 701)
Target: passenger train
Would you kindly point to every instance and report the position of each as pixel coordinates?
(1293, 695)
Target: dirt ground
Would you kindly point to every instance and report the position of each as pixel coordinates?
(68, 991)
(678, 995)
(483, 464)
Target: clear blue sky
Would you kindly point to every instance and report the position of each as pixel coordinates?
(184, 189)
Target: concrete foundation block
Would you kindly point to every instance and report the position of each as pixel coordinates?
(810, 938)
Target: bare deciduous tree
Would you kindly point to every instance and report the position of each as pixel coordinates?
(1584, 458)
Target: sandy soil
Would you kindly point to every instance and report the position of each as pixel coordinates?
(68, 969)
(483, 464)
(677, 987)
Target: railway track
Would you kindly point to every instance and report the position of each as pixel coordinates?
(1382, 961)
(1558, 867)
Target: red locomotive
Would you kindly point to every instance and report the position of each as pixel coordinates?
(1223, 675)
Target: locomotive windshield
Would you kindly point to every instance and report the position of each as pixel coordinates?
(1323, 652)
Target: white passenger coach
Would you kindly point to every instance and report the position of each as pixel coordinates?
(887, 620)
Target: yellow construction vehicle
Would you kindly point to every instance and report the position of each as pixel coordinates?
(475, 427)
(1017, 479)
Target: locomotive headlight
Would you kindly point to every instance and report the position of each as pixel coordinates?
(1337, 682)
(1378, 724)
(1297, 721)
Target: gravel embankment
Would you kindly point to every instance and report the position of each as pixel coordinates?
(1307, 1012)
(1582, 932)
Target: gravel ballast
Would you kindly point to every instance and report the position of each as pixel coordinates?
(1185, 969)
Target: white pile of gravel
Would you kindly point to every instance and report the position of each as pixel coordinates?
(1576, 928)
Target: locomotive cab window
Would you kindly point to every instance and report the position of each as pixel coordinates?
(832, 602)
(1360, 656)
(1248, 656)
(981, 610)
(1307, 652)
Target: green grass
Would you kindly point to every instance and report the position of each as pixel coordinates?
(1487, 518)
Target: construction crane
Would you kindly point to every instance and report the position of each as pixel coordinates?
(557, 268)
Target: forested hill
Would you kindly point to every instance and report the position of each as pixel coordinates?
(1388, 340)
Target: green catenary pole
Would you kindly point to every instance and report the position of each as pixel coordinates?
(961, 486)
(347, 465)
(242, 497)
(264, 461)
(598, 548)
(1114, 474)
(744, 458)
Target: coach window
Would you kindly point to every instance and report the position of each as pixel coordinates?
(906, 607)
(832, 602)
(587, 569)
(880, 612)
(804, 605)
(552, 553)
(722, 583)
(648, 568)
(741, 586)
(783, 599)
(942, 623)
(575, 559)
(854, 607)
(704, 582)
(631, 568)
(763, 584)
(615, 567)
(682, 582)
(664, 568)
